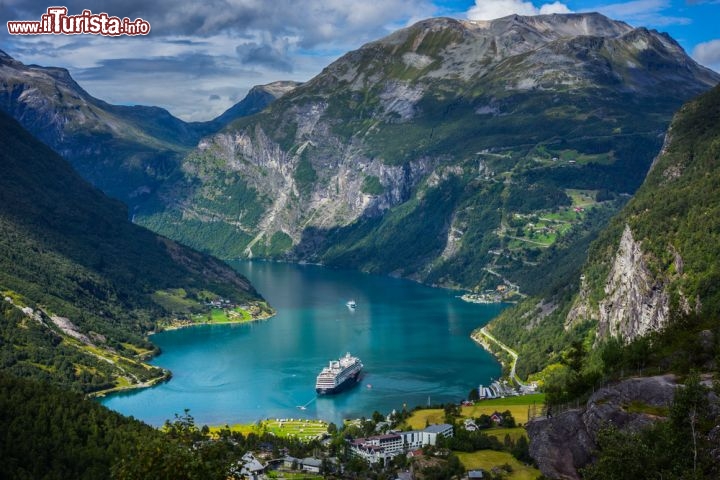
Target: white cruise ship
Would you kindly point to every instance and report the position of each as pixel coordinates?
(339, 375)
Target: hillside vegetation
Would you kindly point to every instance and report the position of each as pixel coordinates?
(79, 282)
(665, 242)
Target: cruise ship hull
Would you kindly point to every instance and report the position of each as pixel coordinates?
(349, 382)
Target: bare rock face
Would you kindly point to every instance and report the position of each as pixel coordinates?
(636, 301)
(560, 444)
(582, 309)
(563, 444)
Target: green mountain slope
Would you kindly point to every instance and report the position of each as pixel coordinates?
(80, 284)
(652, 279)
(462, 154)
(126, 151)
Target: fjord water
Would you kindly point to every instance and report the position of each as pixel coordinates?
(413, 340)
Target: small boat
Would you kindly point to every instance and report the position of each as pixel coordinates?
(351, 304)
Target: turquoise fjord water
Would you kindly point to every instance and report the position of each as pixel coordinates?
(414, 341)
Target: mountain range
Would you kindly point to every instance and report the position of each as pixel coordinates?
(126, 151)
(500, 144)
(523, 158)
(476, 155)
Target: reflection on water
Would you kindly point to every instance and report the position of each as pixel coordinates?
(414, 342)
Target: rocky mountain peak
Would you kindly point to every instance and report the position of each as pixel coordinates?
(441, 104)
(279, 88)
(561, 25)
(6, 59)
(564, 49)
(259, 97)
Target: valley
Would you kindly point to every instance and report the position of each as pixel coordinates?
(533, 198)
(403, 139)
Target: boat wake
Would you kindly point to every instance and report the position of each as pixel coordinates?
(304, 407)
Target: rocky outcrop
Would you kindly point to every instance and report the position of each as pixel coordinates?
(560, 445)
(564, 443)
(636, 301)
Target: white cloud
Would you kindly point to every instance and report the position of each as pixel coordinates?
(492, 9)
(708, 54)
(213, 47)
(177, 73)
(556, 7)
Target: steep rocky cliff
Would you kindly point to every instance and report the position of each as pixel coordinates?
(635, 301)
(455, 153)
(654, 266)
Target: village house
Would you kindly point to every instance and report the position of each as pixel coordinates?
(311, 465)
(470, 425)
(249, 466)
(290, 462)
(381, 448)
(496, 417)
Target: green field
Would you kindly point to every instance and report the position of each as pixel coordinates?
(581, 198)
(140, 352)
(419, 419)
(538, 398)
(518, 406)
(303, 429)
(175, 300)
(564, 215)
(544, 227)
(219, 315)
(500, 433)
(306, 429)
(488, 459)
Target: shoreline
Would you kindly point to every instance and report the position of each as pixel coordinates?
(189, 324)
(483, 337)
(167, 374)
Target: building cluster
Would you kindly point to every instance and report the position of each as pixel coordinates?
(496, 390)
(308, 464)
(381, 448)
(220, 303)
(501, 389)
(253, 468)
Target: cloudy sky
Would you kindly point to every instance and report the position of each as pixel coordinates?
(203, 56)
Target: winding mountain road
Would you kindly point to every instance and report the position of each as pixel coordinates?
(513, 354)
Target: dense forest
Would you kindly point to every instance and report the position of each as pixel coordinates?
(80, 285)
(50, 433)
